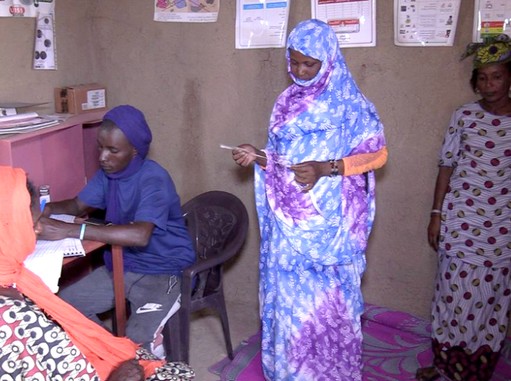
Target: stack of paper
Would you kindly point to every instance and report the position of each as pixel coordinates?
(30, 121)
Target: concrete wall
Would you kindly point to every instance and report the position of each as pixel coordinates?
(198, 91)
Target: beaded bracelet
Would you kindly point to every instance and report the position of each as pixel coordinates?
(334, 170)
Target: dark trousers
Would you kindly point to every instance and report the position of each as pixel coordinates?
(150, 298)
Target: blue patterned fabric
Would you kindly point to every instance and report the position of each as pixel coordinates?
(313, 244)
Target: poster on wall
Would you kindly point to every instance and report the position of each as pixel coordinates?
(425, 22)
(21, 8)
(491, 18)
(45, 49)
(261, 23)
(354, 21)
(198, 11)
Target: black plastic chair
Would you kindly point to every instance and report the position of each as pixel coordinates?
(218, 224)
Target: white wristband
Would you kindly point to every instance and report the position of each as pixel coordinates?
(82, 231)
(436, 211)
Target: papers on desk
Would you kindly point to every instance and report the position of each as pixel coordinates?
(47, 259)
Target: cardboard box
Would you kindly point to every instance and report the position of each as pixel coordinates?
(79, 99)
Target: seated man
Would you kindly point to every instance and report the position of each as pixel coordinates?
(145, 211)
(66, 346)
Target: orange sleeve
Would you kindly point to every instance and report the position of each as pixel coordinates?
(364, 162)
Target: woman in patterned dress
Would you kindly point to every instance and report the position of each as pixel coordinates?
(470, 223)
(314, 187)
(41, 336)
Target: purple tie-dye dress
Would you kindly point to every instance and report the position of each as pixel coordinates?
(313, 244)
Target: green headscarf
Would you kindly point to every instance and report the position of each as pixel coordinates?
(496, 49)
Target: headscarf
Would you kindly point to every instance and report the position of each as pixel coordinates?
(495, 49)
(132, 123)
(17, 241)
(321, 119)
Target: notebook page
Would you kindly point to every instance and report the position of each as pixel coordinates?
(71, 247)
(46, 262)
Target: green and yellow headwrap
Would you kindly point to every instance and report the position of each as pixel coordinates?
(495, 49)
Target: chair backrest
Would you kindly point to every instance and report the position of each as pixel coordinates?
(218, 223)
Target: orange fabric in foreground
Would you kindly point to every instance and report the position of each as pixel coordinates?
(17, 241)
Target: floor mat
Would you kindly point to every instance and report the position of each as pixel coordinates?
(395, 345)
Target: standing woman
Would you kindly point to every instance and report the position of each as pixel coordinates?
(470, 223)
(315, 202)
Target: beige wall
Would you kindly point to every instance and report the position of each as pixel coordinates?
(198, 91)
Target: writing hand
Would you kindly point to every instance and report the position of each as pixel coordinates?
(52, 230)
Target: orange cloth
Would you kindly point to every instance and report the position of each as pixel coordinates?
(17, 241)
(364, 162)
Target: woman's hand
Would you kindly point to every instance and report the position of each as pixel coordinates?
(308, 173)
(245, 154)
(434, 231)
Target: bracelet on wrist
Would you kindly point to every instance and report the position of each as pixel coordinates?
(82, 231)
(334, 169)
(436, 211)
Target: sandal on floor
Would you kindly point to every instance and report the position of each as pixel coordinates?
(429, 373)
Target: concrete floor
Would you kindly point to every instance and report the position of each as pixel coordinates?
(207, 345)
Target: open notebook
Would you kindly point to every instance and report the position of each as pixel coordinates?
(47, 258)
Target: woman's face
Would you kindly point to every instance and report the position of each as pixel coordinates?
(115, 150)
(493, 82)
(303, 67)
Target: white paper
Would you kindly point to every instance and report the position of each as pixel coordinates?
(354, 21)
(425, 22)
(186, 10)
(261, 24)
(491, 17)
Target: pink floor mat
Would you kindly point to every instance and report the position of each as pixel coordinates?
(395, 345)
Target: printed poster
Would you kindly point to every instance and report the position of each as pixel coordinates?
(425, 22)
(261, 23)
(491, 18)
(186, 10)
(354, 21)
(25, 8)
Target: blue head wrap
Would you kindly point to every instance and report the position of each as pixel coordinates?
(131, 121)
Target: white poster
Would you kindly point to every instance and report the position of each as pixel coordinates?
(186, 10)
(491, 18)
(425, 22)
(45, 49)
(354, 21)
(261, 23)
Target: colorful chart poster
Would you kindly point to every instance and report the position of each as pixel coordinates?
(186, 10)
(354, 21)
(261, 23)
(491, 18)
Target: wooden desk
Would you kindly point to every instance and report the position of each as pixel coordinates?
(118, 275)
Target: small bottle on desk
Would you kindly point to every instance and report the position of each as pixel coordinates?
(44, 196)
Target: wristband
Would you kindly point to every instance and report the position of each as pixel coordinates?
(334, 170)
(82, 231)
(436, 211)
